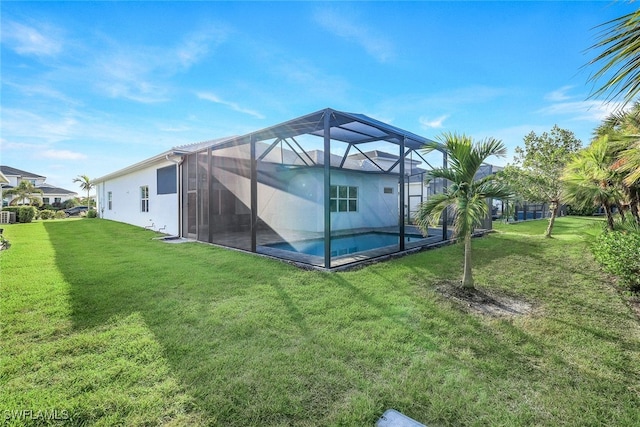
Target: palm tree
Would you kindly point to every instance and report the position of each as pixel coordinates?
(465, 197)
(619, 43)
(623, 130)
(590, 180)
(86, 185)
(25, 190)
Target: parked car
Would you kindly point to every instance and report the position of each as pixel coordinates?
(76, 210)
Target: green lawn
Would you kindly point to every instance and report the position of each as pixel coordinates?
(101, 321)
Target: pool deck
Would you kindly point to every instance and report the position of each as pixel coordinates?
(242, 242)
(434, 239)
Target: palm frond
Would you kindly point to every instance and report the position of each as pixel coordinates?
(620, 43)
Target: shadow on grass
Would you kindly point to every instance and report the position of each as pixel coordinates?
(258, 342)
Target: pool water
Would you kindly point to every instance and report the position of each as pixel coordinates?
(345, 245)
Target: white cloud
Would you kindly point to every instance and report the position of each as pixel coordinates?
(344, 26)
(23, 123)
(198, 45)
(141, 73)
(436, 123)
(593, 111)
(208, 96)
(62, 155)
(28, 40)
(559, 95)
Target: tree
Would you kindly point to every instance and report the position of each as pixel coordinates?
(622, 128)
(589, 179)
(25, 190)
(465, 197)
(86, 185)
(539, 166)
(619, 43)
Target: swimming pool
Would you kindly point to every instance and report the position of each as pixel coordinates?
(345, 245)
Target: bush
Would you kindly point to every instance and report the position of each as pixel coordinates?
(92, 213)
(47, 214)
(619, 253)
(60, 215)
(26, 214)
(69, 203)
(584, 211)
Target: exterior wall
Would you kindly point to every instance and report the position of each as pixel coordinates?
(300, 206)
(15, 180)
(126, 200)
(376, 209)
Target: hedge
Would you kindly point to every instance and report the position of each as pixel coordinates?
(619, 253)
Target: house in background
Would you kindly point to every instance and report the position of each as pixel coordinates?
(51, 195)
(323, 189)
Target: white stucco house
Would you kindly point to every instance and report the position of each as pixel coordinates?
(51, 195)
(321, 177)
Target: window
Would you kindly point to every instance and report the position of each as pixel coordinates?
(144, 198)
(57, 200)
(110, 200)
(45, 200)
(388, 190)
(166, 179)
(343, 198)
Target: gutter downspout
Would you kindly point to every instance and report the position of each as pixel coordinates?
(178, 163)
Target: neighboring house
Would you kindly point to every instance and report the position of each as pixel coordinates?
(51, 195)
(313, 179)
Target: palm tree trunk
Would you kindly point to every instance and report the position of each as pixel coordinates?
(467, 277)
(607, 211)
(554, 214)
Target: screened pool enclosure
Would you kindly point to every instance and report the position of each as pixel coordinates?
(326, 189)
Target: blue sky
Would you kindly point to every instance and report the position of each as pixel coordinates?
(92, 87)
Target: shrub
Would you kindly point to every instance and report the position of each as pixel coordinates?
(619, 253)
(584, 211)
(60, 215)
(92, 213)
(26, 214)
(47, 214)
(69, 203)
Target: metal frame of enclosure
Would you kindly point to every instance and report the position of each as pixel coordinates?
(300, 189)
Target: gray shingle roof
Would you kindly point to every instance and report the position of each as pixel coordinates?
(9, 171)
(49, 189)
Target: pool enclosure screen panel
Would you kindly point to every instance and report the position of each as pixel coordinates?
(217, 190)
(289, 192)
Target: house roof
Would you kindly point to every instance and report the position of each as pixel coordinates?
(9, 171)
(172, 153)
(50, 190)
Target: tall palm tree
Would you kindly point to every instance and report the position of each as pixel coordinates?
(590, 180)
(465, 197)
(86, 185)
(619, 44)
(25, 190)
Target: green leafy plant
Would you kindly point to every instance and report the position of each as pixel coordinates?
(47, 214)
(26, 214)
(92, 213)
(619, 254)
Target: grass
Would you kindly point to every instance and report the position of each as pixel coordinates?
(103, 322)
